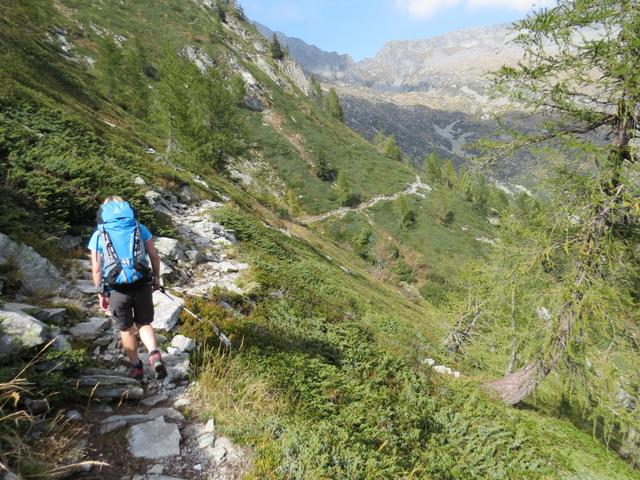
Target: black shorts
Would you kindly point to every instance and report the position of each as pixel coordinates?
(132, 304)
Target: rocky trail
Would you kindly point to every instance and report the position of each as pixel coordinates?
(132, 430)
(416, 188)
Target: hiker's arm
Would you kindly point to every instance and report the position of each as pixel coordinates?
(96, 273)
(96, 268)
(155, 260)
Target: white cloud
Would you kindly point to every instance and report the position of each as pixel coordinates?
(424, 8)
(428, 8)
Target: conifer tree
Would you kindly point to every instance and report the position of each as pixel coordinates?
(324, 171)
(406, 215)
(449, 176)
(392, 150)
(277, 53)
(346, 196)
(315, 93)
(575, 259)
(293, 203)
(379, 141)
(432, 168)
(332, 105)
(444, 215)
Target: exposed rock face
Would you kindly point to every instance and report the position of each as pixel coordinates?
(38, 276)
(295, 73)
(19, 331)
(327, 65)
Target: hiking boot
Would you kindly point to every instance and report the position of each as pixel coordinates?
(155, 360)
(136, 372)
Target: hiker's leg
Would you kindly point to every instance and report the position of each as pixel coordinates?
(121, 305)
(148, 337)
(143, 316)
(130, 344)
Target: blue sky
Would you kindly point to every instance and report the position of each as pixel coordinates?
(361, 27)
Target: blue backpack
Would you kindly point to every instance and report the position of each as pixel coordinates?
(124, 258)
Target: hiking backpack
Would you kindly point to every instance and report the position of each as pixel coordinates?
(124, 258)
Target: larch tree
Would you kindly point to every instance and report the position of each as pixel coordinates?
(277, 53)
(432, 168)
(581, 72)
(333, 106)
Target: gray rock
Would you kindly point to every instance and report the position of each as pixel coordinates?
(111, 427)
(38, 276)
(253, 103)
(52, 315)
(166, 412)
(206, 440)
(169, 248)
(128, 392)
(158, 203)
(117, 422)
(167, 311)
(86, 287)
(74, 415)
(181, 403)
(154, 440)
(139, 181)
(36, 406)
(19, 331)
(157, 469)
(219, 451)
(103, 409)
(61, 344)
(111, 386)
(195, 256)
(442, 370)
(154, 400)
(90, 329)
(183, 343)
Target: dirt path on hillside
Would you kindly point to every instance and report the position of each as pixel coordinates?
(295, 139)
(416, 188)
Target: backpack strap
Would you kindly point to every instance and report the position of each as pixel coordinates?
(111, 266)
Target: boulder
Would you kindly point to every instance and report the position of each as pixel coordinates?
(20, 331)
(154, 440)
(166, 311)
(154, 400)
(182, 343)
(111, 386)
(38, 276)
(91, 329)
(167, 412)
(169, 248)
(52, 315)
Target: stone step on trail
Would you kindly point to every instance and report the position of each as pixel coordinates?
(90, 329)
(114, 387)
(154, 440)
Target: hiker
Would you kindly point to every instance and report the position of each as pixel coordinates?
(125, 283)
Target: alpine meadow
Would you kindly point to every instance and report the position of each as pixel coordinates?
(364, 271)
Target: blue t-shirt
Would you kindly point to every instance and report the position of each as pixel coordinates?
(95, 243)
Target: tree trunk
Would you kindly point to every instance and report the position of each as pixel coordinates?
(515, 387)
(463, 330)
(514, 340)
